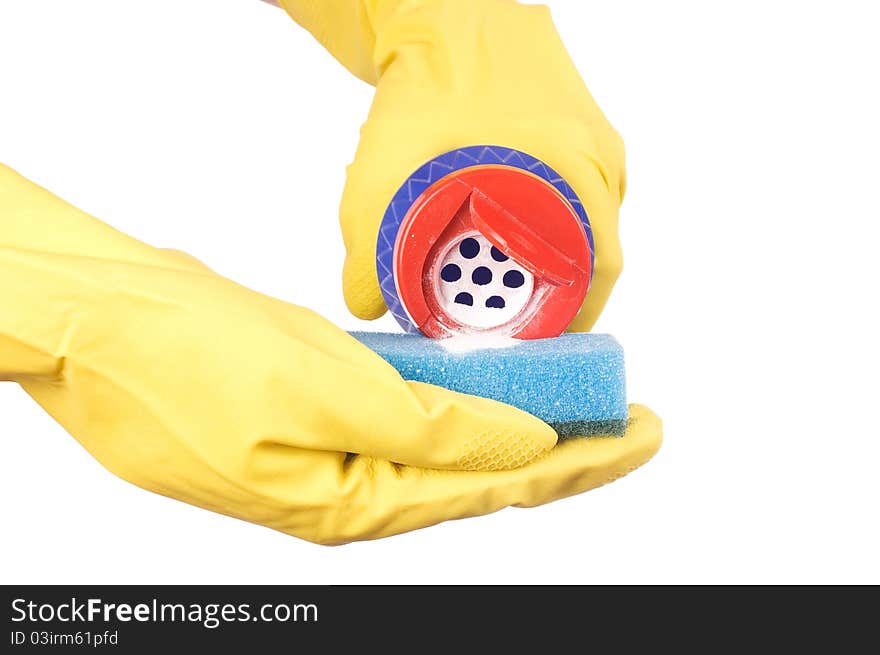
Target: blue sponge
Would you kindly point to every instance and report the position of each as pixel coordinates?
(575, 382)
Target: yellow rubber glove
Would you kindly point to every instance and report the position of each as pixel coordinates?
(195, 387)
(454, 73)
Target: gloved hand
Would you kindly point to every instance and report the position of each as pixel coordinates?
(194, 387)
(454, 73)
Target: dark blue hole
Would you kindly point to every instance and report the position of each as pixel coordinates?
(498, 256)
(469, 248)
(496, 302)
(481, 275)
(514, 279)
(450, 273)
(465, 298)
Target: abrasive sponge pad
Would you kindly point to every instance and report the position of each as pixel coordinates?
(575, 382)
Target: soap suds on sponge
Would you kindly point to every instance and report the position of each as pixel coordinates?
(465, 343)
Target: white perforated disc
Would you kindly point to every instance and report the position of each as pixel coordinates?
(478, 285)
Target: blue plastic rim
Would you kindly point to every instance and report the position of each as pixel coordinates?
(436, 169)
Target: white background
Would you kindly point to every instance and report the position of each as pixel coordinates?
(747, 306)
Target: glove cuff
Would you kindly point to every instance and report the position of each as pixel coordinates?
(350, 29)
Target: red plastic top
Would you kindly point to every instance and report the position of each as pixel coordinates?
(521, 215)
